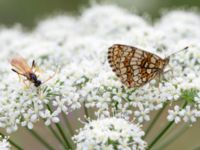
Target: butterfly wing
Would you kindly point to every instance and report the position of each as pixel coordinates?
(135, 67)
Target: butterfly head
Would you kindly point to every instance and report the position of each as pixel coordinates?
(166, 62)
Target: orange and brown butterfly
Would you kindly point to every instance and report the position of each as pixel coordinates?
(22, 68)
(134, 66)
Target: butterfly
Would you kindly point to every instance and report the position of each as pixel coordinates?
(134, 66)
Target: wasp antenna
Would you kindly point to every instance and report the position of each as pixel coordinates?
(50, 77)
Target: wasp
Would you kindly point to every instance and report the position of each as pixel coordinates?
(22, 68)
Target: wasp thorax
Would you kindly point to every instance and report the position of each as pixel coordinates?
(35, 80)
(33, 76)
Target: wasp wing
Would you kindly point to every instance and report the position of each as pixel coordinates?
(20, 64)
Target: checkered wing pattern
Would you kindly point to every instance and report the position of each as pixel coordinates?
(135, 67)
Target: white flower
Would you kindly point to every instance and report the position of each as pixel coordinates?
(197, 100)
(4, 144)
(142, 114)
(49, 117)
(189, 115)
(60, 104)
(174, 115)
(110, 133)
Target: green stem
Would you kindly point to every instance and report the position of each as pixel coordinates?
(154, 120)
(58, 137)
(63, 135)
(196, 148)
(40, 139)
(85, 110)
(58, 126)
(161, 134)
(173, 137)
(12, 143)
(67, 122)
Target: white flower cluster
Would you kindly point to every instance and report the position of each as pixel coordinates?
(76, 48)
(188, 114)
(4, 144)
(110, 133)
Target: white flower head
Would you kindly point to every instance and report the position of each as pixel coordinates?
(76, 49)
(4, 144)
(110, 133)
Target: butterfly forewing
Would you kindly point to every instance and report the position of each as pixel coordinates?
(135, 67)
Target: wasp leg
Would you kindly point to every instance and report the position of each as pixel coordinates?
(33, 64)
(35, 68)
(50, 77)
(18, 74)
(24, 80)
(20, 79)
(27, 85)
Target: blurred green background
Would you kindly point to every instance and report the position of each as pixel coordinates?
(28, 12)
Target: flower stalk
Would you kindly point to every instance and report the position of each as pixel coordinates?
(12, 142)
(159, 113)
(59, 139)
(166, 128)
(40, 139)
(67, 123)
(58, 126)
(173, 137)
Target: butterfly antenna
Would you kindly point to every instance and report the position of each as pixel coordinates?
(184, 49)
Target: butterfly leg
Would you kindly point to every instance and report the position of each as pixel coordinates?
(158, 81)
(170, 70)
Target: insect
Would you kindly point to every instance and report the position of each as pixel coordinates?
(22, 68)
(135, 67)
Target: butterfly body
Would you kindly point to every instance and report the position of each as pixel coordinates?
(135, 67)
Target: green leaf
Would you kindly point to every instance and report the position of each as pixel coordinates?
(113, 143)
(189, 94)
